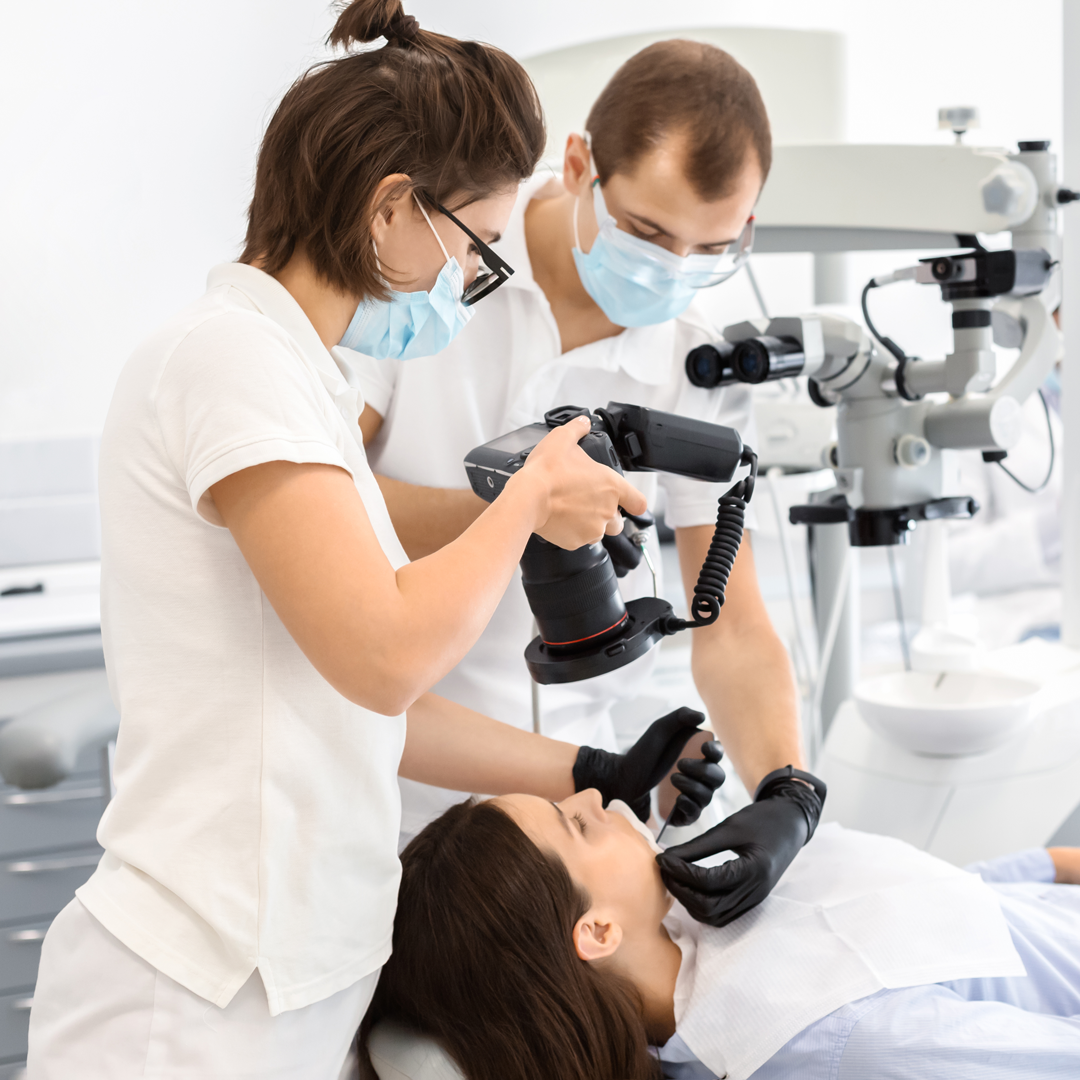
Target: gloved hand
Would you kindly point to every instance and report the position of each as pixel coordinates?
(631, 776)
(624, 553)
(766, 835)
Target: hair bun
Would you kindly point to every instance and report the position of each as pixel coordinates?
(369, 20)
(402, 28)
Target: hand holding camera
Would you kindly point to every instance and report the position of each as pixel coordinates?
(580, 497)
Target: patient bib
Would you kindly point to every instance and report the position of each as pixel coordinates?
(852, 915)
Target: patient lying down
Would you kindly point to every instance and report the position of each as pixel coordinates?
(537, 941)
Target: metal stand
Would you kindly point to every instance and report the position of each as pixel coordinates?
(830, 551)
(1070, 397)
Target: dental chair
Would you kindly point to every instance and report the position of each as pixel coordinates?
(40, 747)
(400, 1053)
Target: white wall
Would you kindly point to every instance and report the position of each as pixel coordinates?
(906, 57)
(127, 136)
(128, 132)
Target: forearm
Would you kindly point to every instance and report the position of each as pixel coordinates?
(382, 636)
(1066, 865)
(444, 601)
(746, 683)
(454, 747)
(428, 518)
(741, 668)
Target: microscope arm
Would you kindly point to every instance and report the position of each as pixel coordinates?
(993, 420)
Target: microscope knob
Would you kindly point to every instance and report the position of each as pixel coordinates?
(911, 451)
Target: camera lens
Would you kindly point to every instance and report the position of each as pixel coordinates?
(944, 269)
(573, 594)
(707, 364)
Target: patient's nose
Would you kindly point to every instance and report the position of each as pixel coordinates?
(593, 803)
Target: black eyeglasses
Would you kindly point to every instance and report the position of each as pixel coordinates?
(493, 270)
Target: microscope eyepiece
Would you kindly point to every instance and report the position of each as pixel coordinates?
(753, 360)
(759, 359)
(709, 366)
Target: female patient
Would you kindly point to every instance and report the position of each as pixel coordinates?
(536, 940)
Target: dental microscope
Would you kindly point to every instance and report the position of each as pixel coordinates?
(1003, 778)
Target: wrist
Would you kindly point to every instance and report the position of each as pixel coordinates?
(529, 491)
(803, 789)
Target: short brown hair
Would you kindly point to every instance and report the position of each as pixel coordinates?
(484, 961)
(461, 119)
(686, 87)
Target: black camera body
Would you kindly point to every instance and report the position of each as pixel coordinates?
(585, 627)
(491, 465)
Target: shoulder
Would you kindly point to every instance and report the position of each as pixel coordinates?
(227, 328)
(225, 343)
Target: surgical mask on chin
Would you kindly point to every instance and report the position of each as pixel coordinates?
(634, 282)
(412, 324)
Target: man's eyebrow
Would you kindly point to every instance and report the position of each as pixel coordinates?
(562, 818)
(663, 232)
(647, 223)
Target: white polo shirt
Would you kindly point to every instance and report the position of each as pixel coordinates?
(506, 369)
(257, 812)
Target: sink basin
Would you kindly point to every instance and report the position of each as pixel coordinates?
(946, 714)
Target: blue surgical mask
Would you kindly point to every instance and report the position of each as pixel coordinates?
(412, 324)
(637, 283)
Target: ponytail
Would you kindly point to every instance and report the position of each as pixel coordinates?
(460, 119)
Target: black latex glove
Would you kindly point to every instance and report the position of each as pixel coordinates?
(766, 835)
(625, 554)
(631, 776)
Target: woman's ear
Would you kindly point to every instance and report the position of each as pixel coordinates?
(577, 166)
(595, 937)
(387, 200)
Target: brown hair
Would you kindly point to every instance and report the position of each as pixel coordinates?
(484, 960)
(682, 87)
(462, 120)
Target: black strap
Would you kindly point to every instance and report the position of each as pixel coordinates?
(789, 772)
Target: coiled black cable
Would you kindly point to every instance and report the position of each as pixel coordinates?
(716, 569)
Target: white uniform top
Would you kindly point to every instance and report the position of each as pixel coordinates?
(506, 369)
(256, 817)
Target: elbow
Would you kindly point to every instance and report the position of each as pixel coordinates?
(383, 676)
(378, 689)
(388, 697)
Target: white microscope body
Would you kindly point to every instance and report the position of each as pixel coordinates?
(969, 754)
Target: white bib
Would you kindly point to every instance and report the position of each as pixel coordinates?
(852, 915)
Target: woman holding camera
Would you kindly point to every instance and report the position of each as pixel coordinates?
(264, 632)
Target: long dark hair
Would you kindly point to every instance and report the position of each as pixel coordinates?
(462, 120)
(484, 960)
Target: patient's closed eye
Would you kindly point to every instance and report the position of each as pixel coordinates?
(581, 823)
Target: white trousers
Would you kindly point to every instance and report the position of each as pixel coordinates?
(103, 1013)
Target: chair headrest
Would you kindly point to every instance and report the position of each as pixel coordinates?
(399, 1052)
